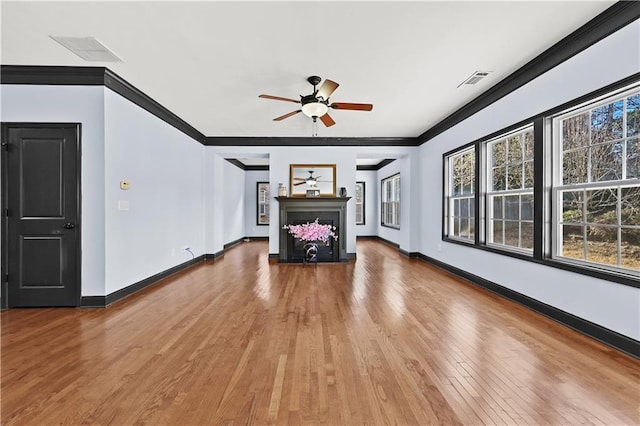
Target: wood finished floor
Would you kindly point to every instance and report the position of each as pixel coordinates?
(383, 340)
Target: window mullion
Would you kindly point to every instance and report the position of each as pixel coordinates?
(522, 153)
(476, 194)
(619, 223)
(624, 139)
(589, 150)
(584, 224)
(539, 185)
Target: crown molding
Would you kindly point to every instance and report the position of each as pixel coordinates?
(375, 167)
(372, 167)
(308, 141)
(239, 164)
(617, 16)
(250, 168)
(52, 75)
(94, 76)
(133, 94)
(247, 168)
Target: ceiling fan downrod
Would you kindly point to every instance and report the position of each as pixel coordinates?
(314, 80)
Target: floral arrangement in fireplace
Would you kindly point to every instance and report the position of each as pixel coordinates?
(313, 231)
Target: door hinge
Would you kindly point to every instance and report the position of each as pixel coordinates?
(6, 212)
(5, 146)
(6, 278)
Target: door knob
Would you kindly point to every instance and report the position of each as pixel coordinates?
(69, 225)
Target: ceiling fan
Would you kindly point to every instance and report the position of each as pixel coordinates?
(310, 180)
(316, 105)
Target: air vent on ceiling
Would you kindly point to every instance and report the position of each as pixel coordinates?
(474, 78)
(88, 48)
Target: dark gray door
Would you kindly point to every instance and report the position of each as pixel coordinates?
(42, 229)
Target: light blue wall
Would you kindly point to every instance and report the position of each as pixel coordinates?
(233, 202)
(164, 168)
(121, 141)
(73, 104)
(345, 161)
(407, 237)
(371, 201)
(280, 158)
(251, 178)
(611, 305)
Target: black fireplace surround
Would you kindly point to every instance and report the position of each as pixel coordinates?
(299, 210)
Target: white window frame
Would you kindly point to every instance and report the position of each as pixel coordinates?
(451, 199)
(390, 201)
(490, 194)
(555, 146)
(262, 203)
(360, 206)
(262, 200)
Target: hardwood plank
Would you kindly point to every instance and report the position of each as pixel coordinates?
(382, 340)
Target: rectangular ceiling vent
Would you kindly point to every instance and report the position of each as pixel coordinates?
(88, 48)
(474, 78)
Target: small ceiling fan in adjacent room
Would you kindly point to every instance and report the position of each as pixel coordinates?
(310, 180)
(316, 105)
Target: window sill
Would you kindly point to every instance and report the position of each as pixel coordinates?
(594, 272)
(397, 228)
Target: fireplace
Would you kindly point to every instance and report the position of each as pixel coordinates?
(328, 253)
(294, 211)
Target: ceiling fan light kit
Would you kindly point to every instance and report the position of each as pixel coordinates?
(314, 108)
(316, 105)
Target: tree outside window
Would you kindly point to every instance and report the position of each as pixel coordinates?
(598, 183)
(460, 214)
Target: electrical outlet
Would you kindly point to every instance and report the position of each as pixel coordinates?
(173, 252)
(439, 247)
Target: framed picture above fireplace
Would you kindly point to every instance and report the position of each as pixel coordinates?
(318, 177)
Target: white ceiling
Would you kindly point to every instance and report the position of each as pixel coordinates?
(208, 61)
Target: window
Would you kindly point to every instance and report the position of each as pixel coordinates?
(597, 183)
(262, 192)
(359, 203)
(509, 196)
(460, 203)
(391, 201)
(561, 188)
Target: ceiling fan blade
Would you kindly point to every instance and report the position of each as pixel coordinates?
(300, 183)
(279, 98)
(327, 88)
(351, 106)
(327, 120)
(282, 117)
